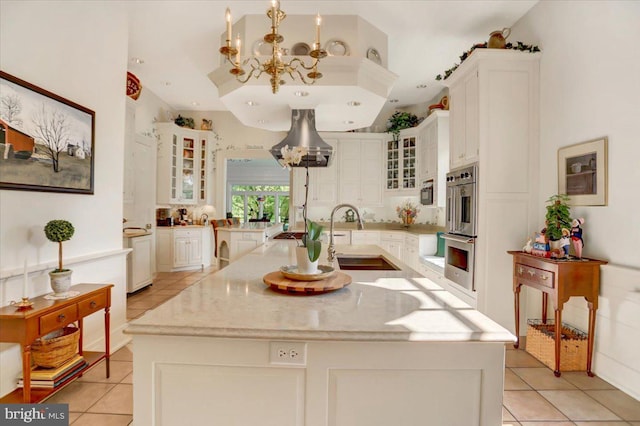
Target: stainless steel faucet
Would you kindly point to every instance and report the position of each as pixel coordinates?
(332, 249)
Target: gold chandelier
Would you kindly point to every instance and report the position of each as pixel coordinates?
(273, 66)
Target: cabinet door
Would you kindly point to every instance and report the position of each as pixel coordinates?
(324, 181)
(429, 151)
(371, 177)
(457, 120)
(472, 111)
(189, 169)
(141, 260)
(409, 162)
(393, 162)
(350, 167)
(181, 251)
(203, 169)
(195, 250)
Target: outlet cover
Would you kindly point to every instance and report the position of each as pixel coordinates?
(291, 353)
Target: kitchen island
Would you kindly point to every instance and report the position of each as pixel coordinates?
(392, 348)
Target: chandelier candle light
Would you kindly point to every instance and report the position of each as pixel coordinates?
(273, 66)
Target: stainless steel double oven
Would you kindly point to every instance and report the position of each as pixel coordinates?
(462, 214)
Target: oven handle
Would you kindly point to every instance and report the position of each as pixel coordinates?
(459, 238)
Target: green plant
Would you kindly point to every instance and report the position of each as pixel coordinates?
(58, 231)
(518, 46)
(311, 240)
(558, 216)
(401, 120)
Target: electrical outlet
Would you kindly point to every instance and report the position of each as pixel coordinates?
(288, 353)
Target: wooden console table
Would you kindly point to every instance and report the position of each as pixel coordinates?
(24, 327)
(560, 279)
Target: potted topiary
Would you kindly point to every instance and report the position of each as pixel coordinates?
(558, 221)
(58, 231)
(401, 120)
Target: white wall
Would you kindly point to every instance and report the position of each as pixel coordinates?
(77, 50)
(590, 88)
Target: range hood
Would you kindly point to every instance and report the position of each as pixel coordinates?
(303, 133)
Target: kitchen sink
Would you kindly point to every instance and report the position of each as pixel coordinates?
(365, 263)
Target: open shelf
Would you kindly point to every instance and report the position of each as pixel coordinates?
(39, 394)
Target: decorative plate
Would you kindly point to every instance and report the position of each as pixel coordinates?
(337, 48)
(300, 49)
(291, 272)
(262, 48)
(373, 55)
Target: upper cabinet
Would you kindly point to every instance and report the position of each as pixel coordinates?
(361, 179)
(323, 181)
(401, 160)
(433, 134)
(183, 172)
(464, 121)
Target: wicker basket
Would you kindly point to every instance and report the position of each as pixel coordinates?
(541, 344)
(56, 348)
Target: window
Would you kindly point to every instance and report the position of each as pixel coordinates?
(260, 202)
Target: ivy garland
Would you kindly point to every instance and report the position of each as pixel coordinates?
(518, 46)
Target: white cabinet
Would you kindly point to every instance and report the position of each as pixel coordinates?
(340, 236)
(139, 272)
(183, 171)
(359, 170)
(433, 134)
(128, 186)
(181, 248)
(494, 112)
(401, 160)
(392, 241)
(464, 121)
(323, 182)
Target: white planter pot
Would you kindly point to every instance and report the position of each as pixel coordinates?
(305, 266)
(60, 282)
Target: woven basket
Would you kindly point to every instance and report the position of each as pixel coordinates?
(56, 348)
(541, 344)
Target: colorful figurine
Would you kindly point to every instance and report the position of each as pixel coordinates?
(576, 236)
(565, 242)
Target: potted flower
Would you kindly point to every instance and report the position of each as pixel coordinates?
(401, 120)
(558, 221)
(407, 212)
(58, 231)
(308, 252)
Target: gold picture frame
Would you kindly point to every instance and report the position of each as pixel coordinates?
(582, 172)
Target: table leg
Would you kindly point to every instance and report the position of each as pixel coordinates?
(590, 337)
(558, 340)
(107, 345)
(26, 374)
(545, 299)
(516, 294)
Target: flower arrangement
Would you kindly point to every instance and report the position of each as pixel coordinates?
(407, 211)
(313, 231)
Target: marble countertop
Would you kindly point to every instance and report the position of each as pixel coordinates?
(377, 306)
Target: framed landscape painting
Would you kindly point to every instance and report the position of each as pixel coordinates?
(582, 173)
(46, 141)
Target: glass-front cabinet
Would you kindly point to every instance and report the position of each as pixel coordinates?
(401, 163)
(182, 165)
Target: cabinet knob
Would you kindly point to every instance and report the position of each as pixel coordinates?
(92, 304)
(61, 317)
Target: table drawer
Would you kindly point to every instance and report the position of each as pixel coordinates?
(535, 275)
(92, 304)
(58, 319)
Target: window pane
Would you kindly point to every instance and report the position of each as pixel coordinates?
(237, 206)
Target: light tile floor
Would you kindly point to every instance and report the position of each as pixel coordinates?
(533, 396)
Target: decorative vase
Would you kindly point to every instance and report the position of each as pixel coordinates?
(305, 266)
(498, 39)
(60, 282)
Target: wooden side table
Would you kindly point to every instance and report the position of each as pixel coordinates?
(560, 280)
(24, 327)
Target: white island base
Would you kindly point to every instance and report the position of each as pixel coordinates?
(225, 382)
(391, 349)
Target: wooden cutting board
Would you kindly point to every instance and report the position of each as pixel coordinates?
(279, 282)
